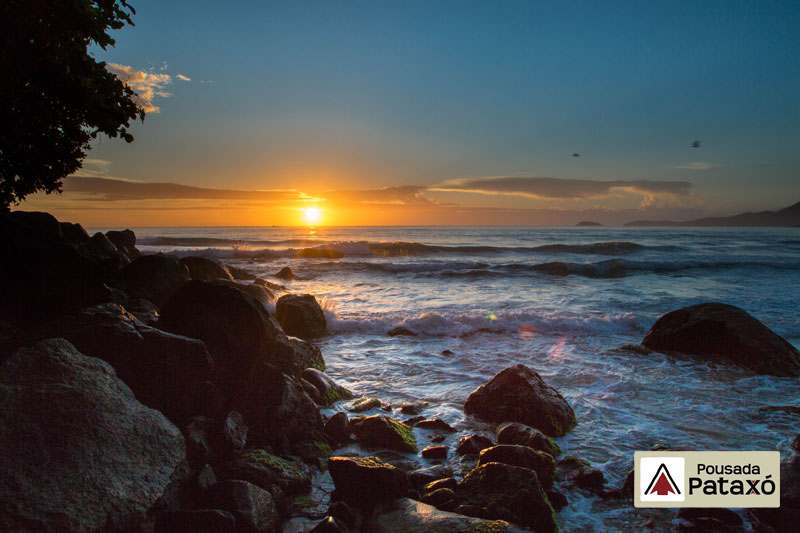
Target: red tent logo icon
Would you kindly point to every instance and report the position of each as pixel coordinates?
(662, 483)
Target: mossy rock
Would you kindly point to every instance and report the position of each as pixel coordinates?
(261, 468)
(380, 431)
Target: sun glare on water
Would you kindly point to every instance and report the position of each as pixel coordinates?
(312, 215)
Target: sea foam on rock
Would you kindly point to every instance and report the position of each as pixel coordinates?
(722, 332)
(78, 452)
(518, 394)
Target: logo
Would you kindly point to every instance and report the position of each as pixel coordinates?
(707, 479)
(661, 479)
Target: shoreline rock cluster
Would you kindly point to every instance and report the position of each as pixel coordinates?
(156, 393)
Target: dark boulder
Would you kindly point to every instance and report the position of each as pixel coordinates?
(233, 433)
(444, 499)
(37, 220)
(411, 516)
(364, 481)
(107, 252)
(285, 273)
(74, 233)
(144, 310)
(337, 428)
(206, 268)
(524, 457)
(43, 276)
(301, 316)
(329, 391)
(435, 452)
(125, 241)
(77, 451)
(196, 521)
(401, 331)
(258, 292)
(579, 473)
(436, 424)
(518, 394)
(516, 433)
(154, 277)
(252, 507)
(365, 404)
(267, 470)
(473, 444)
(508, 493)
(162, 369)
(422, 477)
(240, 274)
(330, 524)
(721, 332)
(381, 431)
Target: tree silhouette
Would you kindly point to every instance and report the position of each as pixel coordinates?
(54, 96)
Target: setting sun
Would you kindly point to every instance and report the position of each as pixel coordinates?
(312, 215)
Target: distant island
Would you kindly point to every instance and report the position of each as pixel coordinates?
(787, 217)
(588, 223)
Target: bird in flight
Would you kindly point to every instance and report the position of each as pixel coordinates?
(576, 155)
(696, 144)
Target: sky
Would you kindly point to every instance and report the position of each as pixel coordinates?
(447, 112)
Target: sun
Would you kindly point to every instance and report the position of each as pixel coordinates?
(312, 215)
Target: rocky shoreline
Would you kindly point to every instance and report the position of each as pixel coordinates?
(156, 393)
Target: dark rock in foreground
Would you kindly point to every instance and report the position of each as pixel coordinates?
(516, 433)
(77, 451)
(518, 394)
(285, 273)
(206, 268)
(473, 445)
(523, 457)
(410, 516)
(252, 507)
(579, 473)
(300, 316)
(154, 277)
(364, 481)
(508, 493)
(721, 332)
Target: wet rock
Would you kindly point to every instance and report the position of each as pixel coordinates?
(721, 332)
(436, 424)
(364, 481)
(443, 498)
(796, 443)
(435, 452)
(438, 438)
(473, 445)
(261, 294)
(401, 331)
(330, 525)
(161, 368)
(264, 469)
(144, 310)
(346, 514)
(424, 476)
(285, 273)
(411, 422)
(307, 354)
(508, 493)
(233, 433)
(206, 268)
(43, 276)
(240, 274)
(557, 499)
(300, 316)
(105, 250)
(154, 277)
(329, 391)
(444, 483)
(710, 520)
(365, 404)
(576, 472)
(78, 452)
(199, 436)
(205, 479)
(524, 457)
(199, 521)
(251, 506)
(337, 428)
(380, 431)
(412, 408)
(518, 394)
(516, 433)
(416, 517)
(125, 241)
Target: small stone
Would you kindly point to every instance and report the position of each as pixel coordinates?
(435, 452)
(401, 330)
(435, 423)
(473, 445)
(364, 404)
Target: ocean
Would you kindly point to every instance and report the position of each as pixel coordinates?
(563, 301)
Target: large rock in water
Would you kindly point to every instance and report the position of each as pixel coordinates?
(410, 516)
(77, 451)
(721, 332)
(164, 370)
(301, 316)
(381, 431)
(125, 241)
(518, 394)
(509, 493)
(513, 454)
(154, 277)
(42, 275)
(206, 268)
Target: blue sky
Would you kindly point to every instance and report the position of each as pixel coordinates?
(330, 96)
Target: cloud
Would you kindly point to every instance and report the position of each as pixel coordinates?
(560, 189)
(146, 85)
(697, 165)
(183, 78)
(401, 195)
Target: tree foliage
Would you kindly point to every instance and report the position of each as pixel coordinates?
(54, 96)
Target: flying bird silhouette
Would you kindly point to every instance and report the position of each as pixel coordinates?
(576, 155)
(696, 144)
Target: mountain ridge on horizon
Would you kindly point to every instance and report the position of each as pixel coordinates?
(786, 217)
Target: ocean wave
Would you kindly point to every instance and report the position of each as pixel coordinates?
(261, 248)
(460, 324)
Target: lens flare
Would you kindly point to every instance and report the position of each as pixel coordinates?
(312, 215)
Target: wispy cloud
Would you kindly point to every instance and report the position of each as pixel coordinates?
(183, 78)
(560, 189)
(146, 85)
(697, 165)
